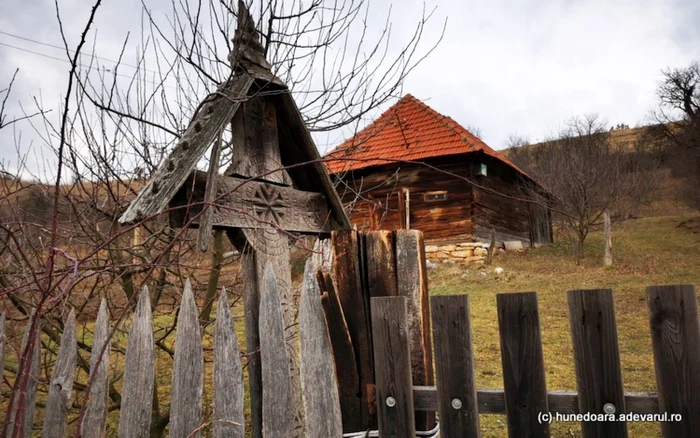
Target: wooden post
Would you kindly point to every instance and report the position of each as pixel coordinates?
(675, 339)
(524, 383)
(597, 360)
(454, 363)
(392, 365)
(608, 239)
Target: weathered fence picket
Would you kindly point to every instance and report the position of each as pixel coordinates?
(454, 366)
(675, 338)
(392, 367)
(229, 418)
(2, 341)
(597, 360)
(28, 402)
(276, 380)
(188, 370)
(61, 388)
(318, 377)
(139, 368)
(524, 384)
(95, 418)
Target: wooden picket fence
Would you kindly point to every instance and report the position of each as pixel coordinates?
(675, 336)
(320, 394)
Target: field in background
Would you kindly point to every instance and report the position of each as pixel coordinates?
(648, 251)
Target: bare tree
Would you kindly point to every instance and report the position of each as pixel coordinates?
(677, 121)
(587, 176)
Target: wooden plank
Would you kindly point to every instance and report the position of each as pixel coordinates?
(277, 395)
(319, 386)
(524, 383)
(413, 284)
(207, 218)
(348, 380)
(137, 391)
(597, 359)
(61, 387)
(381, 264)
(251, 304)
(354, 303)
(229, 420)
(95, 419)
(3, 339)
(454, 366)
(675, 338)
(252, 204)
(322, 255)
(492, 401)
(608, 259)
(29, 400)
(188, 370)
(392, 365)
(214, 113)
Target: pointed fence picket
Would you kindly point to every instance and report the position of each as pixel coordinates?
(320, 399)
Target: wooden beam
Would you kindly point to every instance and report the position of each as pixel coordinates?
(244, 203)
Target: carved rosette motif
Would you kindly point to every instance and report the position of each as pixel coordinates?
(264, 232)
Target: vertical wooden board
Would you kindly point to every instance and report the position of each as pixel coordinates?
(29, 400)
(597, 359)
(61, 387)
(354, 302)
(137, 391)
(523, 364)
(188, 370)
(2, 343)
(343, 353)
(381, 264)
(392, 365)
(322, 254)
(277, 396)
(454, 363)
(675, 338)
(413, 284)
(229, 418)
(318, 375)
(95, 418)
(608, 260)
(251, 303)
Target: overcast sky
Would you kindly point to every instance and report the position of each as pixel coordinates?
(506, 67)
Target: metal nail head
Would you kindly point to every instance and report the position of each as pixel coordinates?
(456, 403)
(609, 408)
(391, 402)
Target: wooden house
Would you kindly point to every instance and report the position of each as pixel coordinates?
(415, 168)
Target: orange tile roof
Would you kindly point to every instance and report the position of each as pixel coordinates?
(408, 131)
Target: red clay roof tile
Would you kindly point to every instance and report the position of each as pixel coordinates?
(408, 131)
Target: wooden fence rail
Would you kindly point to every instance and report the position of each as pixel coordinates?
(675, 334)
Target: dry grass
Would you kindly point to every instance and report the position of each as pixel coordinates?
(660, 250)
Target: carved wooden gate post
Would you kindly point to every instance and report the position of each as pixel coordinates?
(274, 190)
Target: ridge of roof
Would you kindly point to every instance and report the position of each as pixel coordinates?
(425, 133)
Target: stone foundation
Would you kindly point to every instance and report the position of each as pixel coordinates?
(467, 252)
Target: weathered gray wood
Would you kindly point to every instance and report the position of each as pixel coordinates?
(229, 421)
(251, 304)
(3, 337)
(413, 284)
(356, 405)
(597, 359)
(319, 386)
(343, 352)
(95, 418)
(523, 364)
(137, 392)
(254, 204)
(322, 256)
(29, 400)
(608, 260)
(492, 401)
(214, 113)
(454, 366)
(207, 218)
(278, 412)
(675, 338)
(61, 388)
(392, 366)
(188, 370)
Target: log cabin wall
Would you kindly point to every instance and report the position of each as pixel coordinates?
(371, 196)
